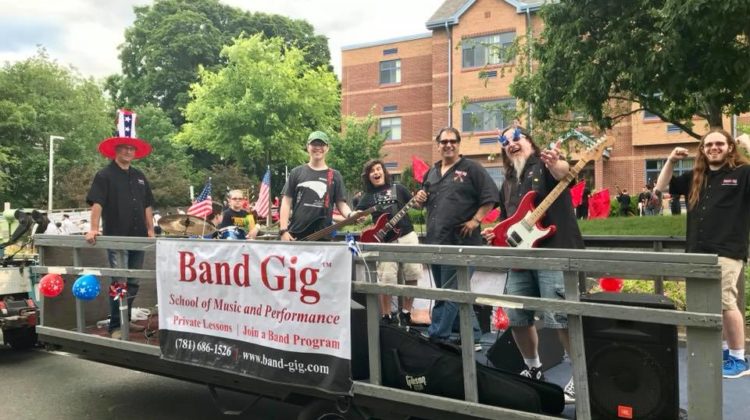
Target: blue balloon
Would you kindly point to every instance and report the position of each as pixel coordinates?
(86, 287)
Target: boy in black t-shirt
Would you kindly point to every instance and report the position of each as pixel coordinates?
(235, 215)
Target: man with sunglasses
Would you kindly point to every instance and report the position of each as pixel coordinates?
(458, 192)
(529, 168)
(311, 192)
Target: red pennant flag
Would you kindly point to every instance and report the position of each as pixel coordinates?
(419, 168)
(599, 205)
(576, 193)
(492, 215)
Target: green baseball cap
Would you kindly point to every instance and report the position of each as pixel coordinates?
(317, 135)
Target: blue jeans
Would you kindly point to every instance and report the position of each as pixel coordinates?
(132, 260)
(445, 317)
(536, 283)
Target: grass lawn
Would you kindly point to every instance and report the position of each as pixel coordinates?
(635, 226)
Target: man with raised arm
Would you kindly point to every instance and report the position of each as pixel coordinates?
(718, 206)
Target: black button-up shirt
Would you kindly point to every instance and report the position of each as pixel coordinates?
(719, 223)
(124, 196)
(454, 198)
(535, 176)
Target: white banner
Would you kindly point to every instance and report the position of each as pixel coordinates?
(273, 310)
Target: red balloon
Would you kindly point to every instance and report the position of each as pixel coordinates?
(51, 285)
(500, 319)
(611, 284)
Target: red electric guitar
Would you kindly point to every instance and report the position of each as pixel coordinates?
(524, 228)
(383, 226)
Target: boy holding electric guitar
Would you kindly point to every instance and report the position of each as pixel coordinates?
(392, 224)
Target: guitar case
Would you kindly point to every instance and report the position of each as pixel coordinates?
(411, 362)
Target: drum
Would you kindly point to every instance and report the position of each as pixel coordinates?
(232, 233)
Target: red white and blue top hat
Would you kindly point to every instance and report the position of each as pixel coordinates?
(125, 136)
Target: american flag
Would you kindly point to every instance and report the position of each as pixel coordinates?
(202, 205)
(261, 206)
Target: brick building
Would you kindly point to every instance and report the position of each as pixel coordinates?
(417, 84)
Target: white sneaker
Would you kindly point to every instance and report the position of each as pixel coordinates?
(570, 392)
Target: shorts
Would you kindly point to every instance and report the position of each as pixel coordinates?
(536, 283)
(388, 270)
(730, 273)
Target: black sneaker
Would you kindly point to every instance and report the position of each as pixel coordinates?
(388, 320)
(533, 373)
(404, 318)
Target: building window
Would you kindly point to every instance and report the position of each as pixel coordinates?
(390, 51)
(648, 115)
(487, 116)
(488, 140)
(483, 50)
(390, 72)
(391, 165)
(391, 127)
(390, 108)
(653, 168)
(671, 128)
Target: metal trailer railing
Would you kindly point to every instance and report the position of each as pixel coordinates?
(702, 320)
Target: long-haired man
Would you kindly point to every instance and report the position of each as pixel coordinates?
(718, 205)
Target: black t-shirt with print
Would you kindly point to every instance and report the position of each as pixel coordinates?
(384, 194)
(307, 188)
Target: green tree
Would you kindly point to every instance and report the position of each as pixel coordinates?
(261, 106)
(359, 142)
(170, 39)
(39, 98)
(675, 58)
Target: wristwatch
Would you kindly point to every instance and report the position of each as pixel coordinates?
(283, 231)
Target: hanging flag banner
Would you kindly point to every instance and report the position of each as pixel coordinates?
(279, 312)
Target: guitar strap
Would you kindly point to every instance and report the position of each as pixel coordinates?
(327, 202)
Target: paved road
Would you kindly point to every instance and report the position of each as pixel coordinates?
(42, 385)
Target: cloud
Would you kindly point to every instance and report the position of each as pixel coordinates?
(86, 33)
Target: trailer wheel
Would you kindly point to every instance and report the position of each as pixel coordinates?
(327, 410)
(20, 338)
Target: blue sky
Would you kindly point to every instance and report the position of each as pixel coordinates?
(85, 33)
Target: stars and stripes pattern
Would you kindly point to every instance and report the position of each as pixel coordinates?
(202, 206)
(261, 206)
(126, 123)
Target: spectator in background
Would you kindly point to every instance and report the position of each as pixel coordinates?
(643, 200)
(624, 199)
(654, 205)
(582, 211)
(674, 205)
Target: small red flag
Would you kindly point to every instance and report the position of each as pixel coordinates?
(492, 215)
(599, 205)
(419, 168)
(576, 193)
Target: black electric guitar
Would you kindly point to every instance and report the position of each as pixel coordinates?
(311, 234)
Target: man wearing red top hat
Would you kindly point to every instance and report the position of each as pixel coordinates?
(121, 196)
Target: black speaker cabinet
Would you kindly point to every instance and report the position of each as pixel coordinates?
(632, 366)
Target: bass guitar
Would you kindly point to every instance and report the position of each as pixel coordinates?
(328, 230)
(379, 232)
(524, 228)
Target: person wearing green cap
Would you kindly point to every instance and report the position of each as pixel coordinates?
(310, 193)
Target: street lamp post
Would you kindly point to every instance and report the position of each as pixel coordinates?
(51, 170)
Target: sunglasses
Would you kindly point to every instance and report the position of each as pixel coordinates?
(447, 142)
(516, 136)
